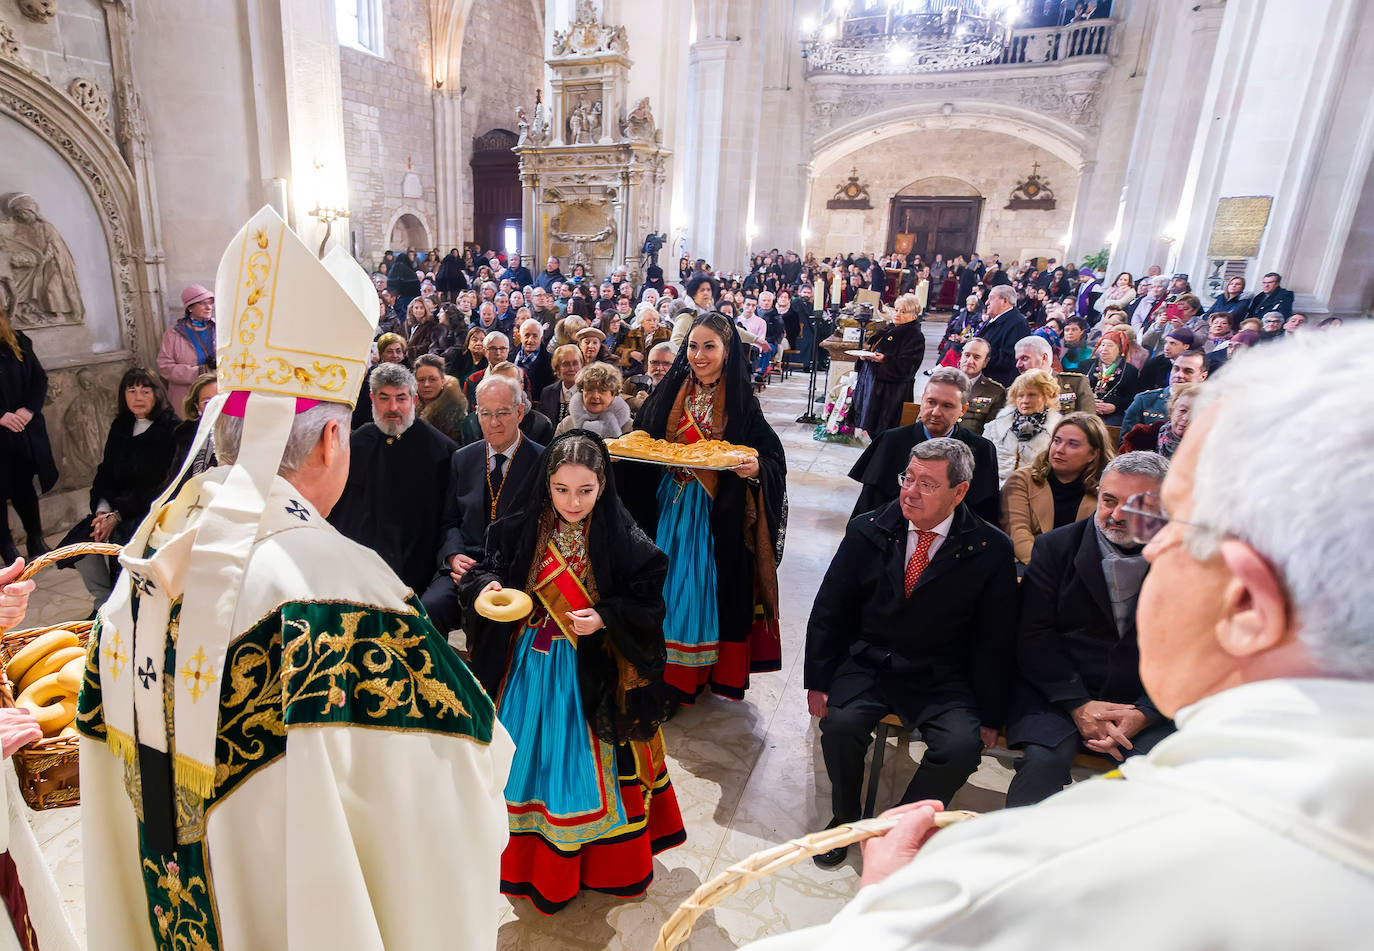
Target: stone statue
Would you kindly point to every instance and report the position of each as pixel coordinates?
(639, 125)
(594, 122)
(577, 125)
(522, 122)
(83, 427)
(37, 274)
(560, 43)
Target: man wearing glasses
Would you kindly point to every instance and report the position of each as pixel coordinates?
(482, 487)
(1251, 826)
(916, 616)
(1079, 683)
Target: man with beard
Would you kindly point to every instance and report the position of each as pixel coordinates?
(1079, 685)
(398, 480)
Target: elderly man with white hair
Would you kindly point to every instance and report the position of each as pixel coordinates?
(1034, 353)
(1253, 826)
(484, 484)
(396, 450)
(1003, 327)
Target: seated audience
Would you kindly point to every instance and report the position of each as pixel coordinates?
(641, 339)
(943, 401)
(398, 478)
(484, 483)
(203, 390)
(553, 400)
(962, 326)
(1060, 486)
(534, 424)
(636, 389)
(461, 362)
(1155, 373)
(1233, 299)
(986, 396)
(1112, 377)
(1073, 391)
(439, 397)
(531, 357)
(1190, 366)
(1022, 430)
(915, 616)
(1272, 297)
(1079, 685)
(1163, 436)
(597, 405)
(132, 470)
(592, 344)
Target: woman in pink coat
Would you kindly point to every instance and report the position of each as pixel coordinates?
(188, 346)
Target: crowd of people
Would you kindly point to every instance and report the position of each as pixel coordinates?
(986, 589)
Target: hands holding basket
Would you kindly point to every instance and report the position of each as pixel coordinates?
(17, 726)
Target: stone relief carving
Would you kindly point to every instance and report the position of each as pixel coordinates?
(37, 274)
(39, 11)
(83, 425)
(585, 228)
(639, 125)
(1074, 97)
(9, 46)
(588, 35)
(93, 100)
(584, 123)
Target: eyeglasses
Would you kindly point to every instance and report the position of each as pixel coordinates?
(924, 486)
(1146, 518)
(499, 414)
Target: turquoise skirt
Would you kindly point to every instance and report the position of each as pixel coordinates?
(691, 630)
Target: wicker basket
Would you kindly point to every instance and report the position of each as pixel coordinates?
(47, 769)
(678, 927)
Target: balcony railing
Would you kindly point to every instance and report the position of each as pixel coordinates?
(865, 44)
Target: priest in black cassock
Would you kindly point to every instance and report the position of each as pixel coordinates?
(943, 401)
(398, 479)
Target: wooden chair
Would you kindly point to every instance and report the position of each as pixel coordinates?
(910, 413)
(1115, 433)
(1005, 755)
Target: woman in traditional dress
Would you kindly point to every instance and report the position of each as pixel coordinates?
(722, 530)
(579, 683)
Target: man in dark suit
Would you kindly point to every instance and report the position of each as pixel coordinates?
(1272, 297)
(484, 484)
(971, 275)
(1079, 683)
(915, 616)
(1004, 326)
(943, 401)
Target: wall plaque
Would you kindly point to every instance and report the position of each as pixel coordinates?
(1238, 226)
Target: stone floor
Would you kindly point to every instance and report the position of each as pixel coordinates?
(748, 775)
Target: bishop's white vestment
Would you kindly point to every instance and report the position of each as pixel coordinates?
(357, 797)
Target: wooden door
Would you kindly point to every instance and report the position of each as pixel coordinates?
(947, 226)
(495, 189)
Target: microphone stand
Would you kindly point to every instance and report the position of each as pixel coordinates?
(809, 417)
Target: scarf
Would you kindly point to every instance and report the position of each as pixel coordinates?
(1027, 427)
(1124, 570)
(1167, 441)
(1106, 376)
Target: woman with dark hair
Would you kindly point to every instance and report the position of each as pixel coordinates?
(579, 274)
(578, 683)
(722, 530)
(138, 453)
(25, 453)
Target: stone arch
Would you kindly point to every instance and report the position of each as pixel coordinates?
(939, 186)
(410, 228)
(1054, 135)
(93, 155)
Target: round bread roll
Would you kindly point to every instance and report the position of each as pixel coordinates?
(72, 673)
(50, 665)
(51, 705)
(37, 649)
(508, 604)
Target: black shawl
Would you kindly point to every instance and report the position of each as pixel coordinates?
(23, 455)
(744, 425)
(620, 668)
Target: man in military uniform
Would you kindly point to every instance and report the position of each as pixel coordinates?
(1152, 406)
(1034, 353)
(986, 395)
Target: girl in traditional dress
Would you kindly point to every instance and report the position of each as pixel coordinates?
(579, 683)
(722, 530)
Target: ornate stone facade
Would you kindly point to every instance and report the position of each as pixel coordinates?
(93, 100)
(592, 171)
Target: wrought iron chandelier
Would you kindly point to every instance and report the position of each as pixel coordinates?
(907, 36)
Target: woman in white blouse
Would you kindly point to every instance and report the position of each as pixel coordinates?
(1021, 431)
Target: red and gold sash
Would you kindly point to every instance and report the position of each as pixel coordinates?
(560, 590)
(689, 430)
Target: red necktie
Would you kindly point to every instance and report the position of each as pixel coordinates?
(920, 558)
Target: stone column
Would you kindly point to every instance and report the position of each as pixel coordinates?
(1185, 36)
(448, 166)
(701, 152)
(1073, 252)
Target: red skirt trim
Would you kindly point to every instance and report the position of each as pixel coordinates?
(622, 864)
(728, 677)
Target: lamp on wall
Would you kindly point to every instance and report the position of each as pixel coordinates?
(325, 212)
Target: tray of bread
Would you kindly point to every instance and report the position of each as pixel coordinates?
(703, 454)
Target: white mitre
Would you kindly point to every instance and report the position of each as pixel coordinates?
(294, 331)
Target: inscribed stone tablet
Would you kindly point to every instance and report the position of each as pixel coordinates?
(1238, 226)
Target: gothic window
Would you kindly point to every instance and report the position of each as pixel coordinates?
(360, 24)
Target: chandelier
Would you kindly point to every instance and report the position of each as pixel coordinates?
(907, 36)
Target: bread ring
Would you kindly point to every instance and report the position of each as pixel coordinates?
(71, 675)
(51, 705)
(508, 604)
(49, 665)
(36, 650)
